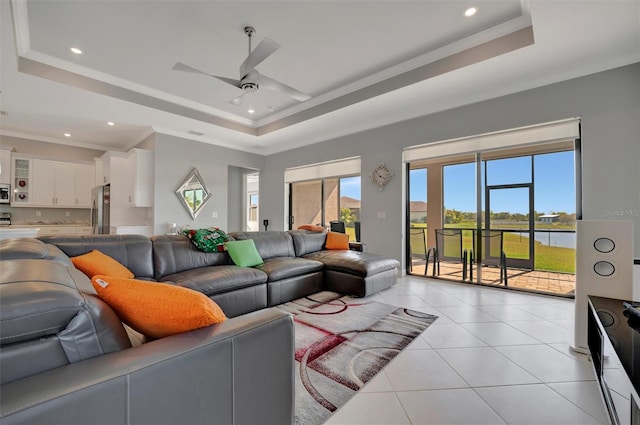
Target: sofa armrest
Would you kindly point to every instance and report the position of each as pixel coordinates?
(357, 246)
(238, 372)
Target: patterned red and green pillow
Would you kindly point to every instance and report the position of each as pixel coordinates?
(211, 239)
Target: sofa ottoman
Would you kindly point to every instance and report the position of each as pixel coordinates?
(347, 271)
(356, 273)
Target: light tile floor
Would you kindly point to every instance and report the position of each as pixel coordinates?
(493, 357)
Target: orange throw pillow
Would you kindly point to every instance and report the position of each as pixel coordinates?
(95, 262)
(157, 309)
(337, 240)
(311, 228)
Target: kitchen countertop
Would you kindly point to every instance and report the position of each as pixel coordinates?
(6, 233)
(29, 223)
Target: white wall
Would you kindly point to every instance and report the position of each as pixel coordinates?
(237, 206)
(174, 159)
(608, 102)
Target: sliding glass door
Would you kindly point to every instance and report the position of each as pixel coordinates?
(520, 232)
(325, 201)
(305, 203)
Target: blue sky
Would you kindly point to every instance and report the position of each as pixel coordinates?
(554, 184)
(350, 186)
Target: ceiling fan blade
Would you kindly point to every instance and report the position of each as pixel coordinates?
(238, 100)
(234, 83)
(283, 88)
(179, 66)
(265, 49)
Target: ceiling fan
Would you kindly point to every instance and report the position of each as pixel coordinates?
(250, 79)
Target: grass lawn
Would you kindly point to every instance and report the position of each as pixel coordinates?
(547, 258)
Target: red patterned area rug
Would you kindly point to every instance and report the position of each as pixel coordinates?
(341, 344)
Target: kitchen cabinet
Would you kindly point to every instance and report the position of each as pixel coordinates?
(5, 166)
(108, 167)
(61, 184)
(48, 230)
(85, 182)
(130, 175)
(83, 230)
(140, 178)
(21, 172)
(56, 230)
(131, 230)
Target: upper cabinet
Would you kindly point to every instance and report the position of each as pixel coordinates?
(85, 182)
(21, 172)
(130, 175)
(5, 166)
(43, 191)
(47, 183)
(140, 170)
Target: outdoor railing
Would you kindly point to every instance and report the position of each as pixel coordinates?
(554, 250)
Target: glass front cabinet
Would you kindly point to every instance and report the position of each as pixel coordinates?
(22, 178)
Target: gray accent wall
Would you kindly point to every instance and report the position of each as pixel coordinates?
(175, 157)
(608, 102)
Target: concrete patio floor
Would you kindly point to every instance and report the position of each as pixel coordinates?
(531, 280)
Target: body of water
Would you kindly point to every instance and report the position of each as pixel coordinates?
(563, 240)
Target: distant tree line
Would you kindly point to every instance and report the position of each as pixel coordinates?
(452, 216)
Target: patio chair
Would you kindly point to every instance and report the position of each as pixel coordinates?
(337, 226)
(492, 252)
(449, 248)
(419, 234)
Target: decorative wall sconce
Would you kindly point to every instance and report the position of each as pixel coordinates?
(380, 176)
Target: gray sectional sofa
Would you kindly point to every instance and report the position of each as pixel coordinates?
(65, 356)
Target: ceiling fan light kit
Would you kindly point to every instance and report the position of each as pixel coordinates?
(250, 79)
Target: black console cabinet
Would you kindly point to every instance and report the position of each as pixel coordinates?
(614, 344)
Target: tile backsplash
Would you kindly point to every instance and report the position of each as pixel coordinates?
(23, 214)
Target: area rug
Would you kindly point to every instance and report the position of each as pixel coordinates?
(341, 343)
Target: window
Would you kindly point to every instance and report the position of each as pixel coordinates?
(326, 192)
(253, 207)
(516, 190)
(320, 202)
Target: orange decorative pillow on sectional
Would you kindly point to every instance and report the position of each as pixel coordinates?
(337, 240)
(311, 228)
(95, 262)
(157, 309)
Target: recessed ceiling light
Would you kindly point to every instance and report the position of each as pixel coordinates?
(67, 135)
(111, 123)
(251, 110)
(76, 50)
(470, 11)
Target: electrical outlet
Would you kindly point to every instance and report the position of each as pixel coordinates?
(38, 213)
(382, 214)
(67, 214)
(214, 214)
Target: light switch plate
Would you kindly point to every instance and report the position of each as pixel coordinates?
(382, 214)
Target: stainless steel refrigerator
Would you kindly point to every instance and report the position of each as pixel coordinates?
(100, 203)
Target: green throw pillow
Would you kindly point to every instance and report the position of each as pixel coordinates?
(244, 253)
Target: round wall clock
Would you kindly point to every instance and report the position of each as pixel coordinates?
(380, 176)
